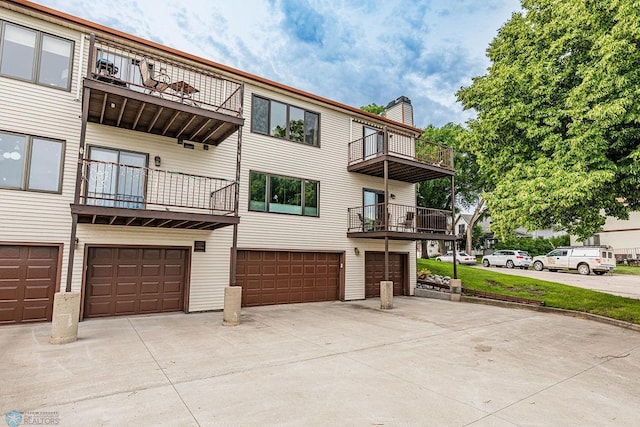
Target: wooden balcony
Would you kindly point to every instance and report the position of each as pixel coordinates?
(146, 93)
(115, 194)
(367, 156)
(402, 222)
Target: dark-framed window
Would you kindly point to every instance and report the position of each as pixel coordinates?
(116, 178)
(281, 120)
(34, 56)
(31, 163)
(283, 194)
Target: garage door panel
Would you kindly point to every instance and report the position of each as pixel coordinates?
(269, 269)
(8, 314)
(34, 291)
(10, 253)
(172, 287)
(101, 271)
(9, 292)
(171, 304)
(35, 311)
(99, 290)
(147, 280)
(38, 272)
(99, 308)
(126, 288)
(151, 270)
(149, 288)
(28, 278)
(279, 277)
(151, 305)
(173, 270)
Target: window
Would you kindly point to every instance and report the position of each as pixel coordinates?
(116, 178)
(30, 55)
(462, 228)
(30, 163)
(284, 121)
(281, 194)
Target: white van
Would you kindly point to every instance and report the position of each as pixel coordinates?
(585, 259)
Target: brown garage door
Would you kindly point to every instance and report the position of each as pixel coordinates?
(374, 273)
(28, 276)
(127, 280)
(270, 277)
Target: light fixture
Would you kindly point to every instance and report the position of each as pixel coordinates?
(113, 105)
(205, 147)
(188, 145)
(356, 251)
(392, 196)
(157, 161)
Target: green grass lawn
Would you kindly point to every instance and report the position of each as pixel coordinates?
(553, 294)
(627, 269)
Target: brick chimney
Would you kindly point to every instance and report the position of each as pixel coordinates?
(400, 110)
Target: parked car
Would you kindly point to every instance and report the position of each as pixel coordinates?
(461, 258)
(509, 258)
(585, 259)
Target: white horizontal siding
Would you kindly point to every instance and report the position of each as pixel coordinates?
(339, 190)
(33, 109)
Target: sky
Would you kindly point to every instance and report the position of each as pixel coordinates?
(355, 52)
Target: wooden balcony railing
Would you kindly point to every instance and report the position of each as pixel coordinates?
(142, 72)
(400, 218)
(400, 145)
(132, 187)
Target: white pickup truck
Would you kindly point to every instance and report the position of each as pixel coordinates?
(585, 259)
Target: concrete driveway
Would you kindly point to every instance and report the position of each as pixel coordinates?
(617, 284)
(426, 362)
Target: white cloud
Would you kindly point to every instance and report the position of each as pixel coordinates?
(353, 51)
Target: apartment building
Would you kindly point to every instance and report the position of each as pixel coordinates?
(148, 180)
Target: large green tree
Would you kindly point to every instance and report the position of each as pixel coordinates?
(373, 108)
(558, 116)
(469, 183)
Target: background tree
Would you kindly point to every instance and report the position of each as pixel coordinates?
(373, 108)
(558, 119)
(468, 180)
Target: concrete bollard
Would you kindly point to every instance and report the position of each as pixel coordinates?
(232, 303)
(386, 295)
(66, 314)
(456, 289)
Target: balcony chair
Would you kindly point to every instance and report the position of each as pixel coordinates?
(153, 84)
(407, 222)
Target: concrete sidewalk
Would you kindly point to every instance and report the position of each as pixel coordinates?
(426, 362)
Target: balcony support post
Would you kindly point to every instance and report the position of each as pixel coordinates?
(385, 212)
(79, 170)
(453, 227)
(236, 203)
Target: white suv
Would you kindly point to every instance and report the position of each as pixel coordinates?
(507, 258)
(585, 259)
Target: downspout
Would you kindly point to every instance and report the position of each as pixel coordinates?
(76, 197)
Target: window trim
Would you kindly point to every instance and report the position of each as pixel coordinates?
(268, 190)
(286, 138)
(37, 60)
(26, 171)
